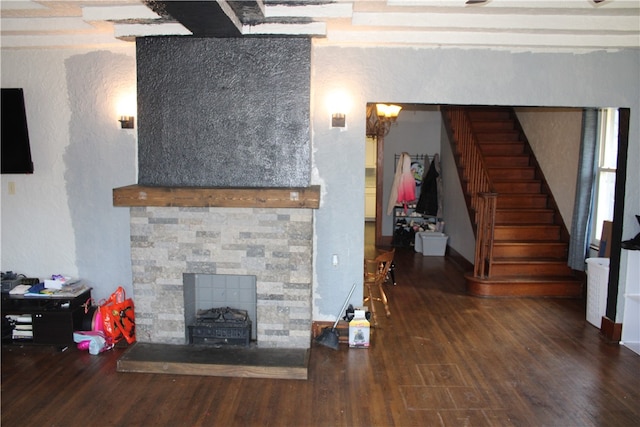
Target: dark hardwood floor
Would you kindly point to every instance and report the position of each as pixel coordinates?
(442, 359)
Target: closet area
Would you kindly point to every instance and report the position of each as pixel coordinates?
(415, 202)
(403, 178)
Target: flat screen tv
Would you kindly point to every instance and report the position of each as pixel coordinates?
(16, 152)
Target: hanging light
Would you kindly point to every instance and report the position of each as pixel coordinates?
(380, 117)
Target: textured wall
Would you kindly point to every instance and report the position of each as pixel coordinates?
(224, 112)
(61, 219)
(554, 136)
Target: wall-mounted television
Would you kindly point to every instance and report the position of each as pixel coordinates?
(16, 152)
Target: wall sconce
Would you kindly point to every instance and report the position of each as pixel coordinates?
(338, 105)
(338, 120)
(380, 117)
(125, 108)
(126, 122)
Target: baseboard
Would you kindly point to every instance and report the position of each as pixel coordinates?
(611, 331)
(460, 261)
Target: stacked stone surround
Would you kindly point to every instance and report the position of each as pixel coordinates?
(273, 244)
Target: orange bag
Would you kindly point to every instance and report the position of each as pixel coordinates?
(118, 317)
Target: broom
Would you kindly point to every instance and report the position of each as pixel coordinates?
(329, 336)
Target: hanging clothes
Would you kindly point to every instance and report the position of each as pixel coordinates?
(429, 201)
(403, 190)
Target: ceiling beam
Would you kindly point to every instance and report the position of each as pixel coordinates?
(205, 18)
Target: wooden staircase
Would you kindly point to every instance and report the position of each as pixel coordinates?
(522, 242)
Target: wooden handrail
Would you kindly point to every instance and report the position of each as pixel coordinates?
(470, 159)
(478, 187)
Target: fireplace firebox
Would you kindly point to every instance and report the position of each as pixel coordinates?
(221, 326)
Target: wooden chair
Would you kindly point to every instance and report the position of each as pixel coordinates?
(376, 272)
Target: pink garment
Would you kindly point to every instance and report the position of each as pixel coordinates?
(403, 189)
(407, 185)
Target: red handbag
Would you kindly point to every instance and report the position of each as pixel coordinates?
(118, 317)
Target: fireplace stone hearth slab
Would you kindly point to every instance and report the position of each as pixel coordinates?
(231, 361)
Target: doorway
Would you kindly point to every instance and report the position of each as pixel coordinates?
(370, 195)
(555, 157)
(417, 131)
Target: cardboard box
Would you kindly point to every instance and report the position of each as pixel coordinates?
(605, 239)
(359, 330)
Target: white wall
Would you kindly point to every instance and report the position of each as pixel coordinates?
(61, 219)
(440, 76)
(456, 214)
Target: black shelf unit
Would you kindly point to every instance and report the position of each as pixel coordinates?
(53, 319)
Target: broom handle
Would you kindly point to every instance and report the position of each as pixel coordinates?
(344, 307)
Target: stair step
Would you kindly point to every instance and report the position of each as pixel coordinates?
(517, 267)
(525, 287)
(493, 125)
(506, 201)
(500, 160)
(498, 135)
(493, 148)
(488, 114)
(519, 187)
(506, 172)
(527, 232)
(525, 216)
(531, 249)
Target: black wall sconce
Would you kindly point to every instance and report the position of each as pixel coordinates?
(338, 120)
(126, 122)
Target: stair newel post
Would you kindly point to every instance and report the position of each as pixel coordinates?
(484, 242)
(490, 203)
(478, 265)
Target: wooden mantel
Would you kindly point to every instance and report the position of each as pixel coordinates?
(260, 197)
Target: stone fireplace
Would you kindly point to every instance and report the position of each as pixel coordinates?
(274, 244)
(224, 167)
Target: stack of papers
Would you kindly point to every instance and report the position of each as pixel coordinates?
(20, 290)
(70, 288)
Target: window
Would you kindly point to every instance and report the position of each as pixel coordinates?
(605, 184)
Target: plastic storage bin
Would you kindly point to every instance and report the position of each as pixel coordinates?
(431, 243)
(597, 289)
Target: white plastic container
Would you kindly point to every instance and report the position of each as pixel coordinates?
(597, 289)
(433, 243)
(417, 241)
